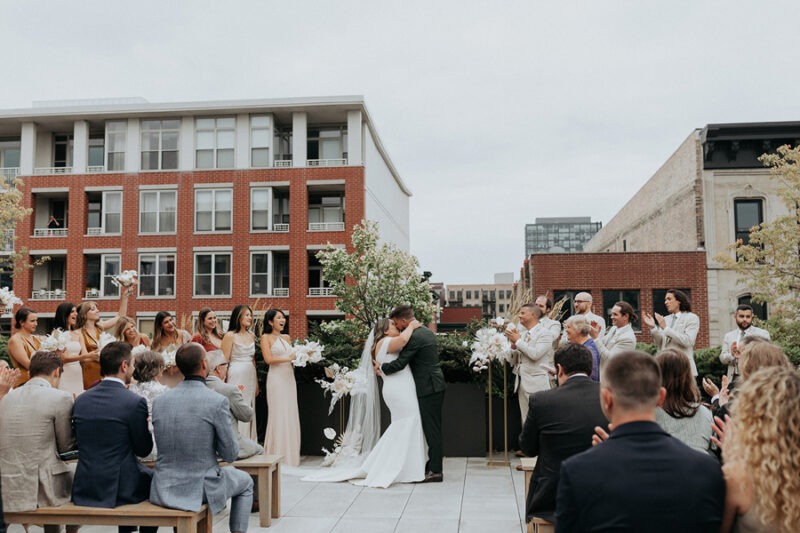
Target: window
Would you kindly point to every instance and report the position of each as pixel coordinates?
(116, 137)
(326, 208)
(508, 295)
(215, 141)
(280, 273)
(610, 297)
(96, 151)
(502, 308)
(160, 144)
(259, 141)
(104, 212)
(452, 295)
(469, 295)
(658, 300)
(157, 274)
(99, 271)
(157, 211)
(747, 213)
(759, 310)
(145, 325)
(212, 274)
(327, 143)
(9, 155)
(317, 285)
(212, 209)
(62, 150)
(260, 202)
(259, 274)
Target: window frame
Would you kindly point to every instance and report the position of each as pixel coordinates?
(215, 151)
(268, 273)
(161, 131)
(159, 193)
(253, 147)
(119, 136)
(213, 211)
(213, 275)
(157, 275)
(270, 198)
(741, 233)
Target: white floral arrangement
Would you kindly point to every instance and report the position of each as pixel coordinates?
(8, 299)
(307, 352)
(489, 345)
(104, 340)
(331, 456)
(345, 382)
(56, 341)
(169, 357)
(126, 278)
(139, 349)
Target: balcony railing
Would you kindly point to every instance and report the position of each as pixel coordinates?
(283, 163)
(326, 162)
(94, 231)
(92, 294)
(9, 174)
(320, 291)
(95, 169)
(48, 232)
(277, 291)
(280, 228)
(52, 170)
(44, 294)
(326, 226)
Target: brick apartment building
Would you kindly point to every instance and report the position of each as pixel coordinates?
(213, 203)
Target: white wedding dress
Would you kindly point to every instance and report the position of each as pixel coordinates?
(401, 453)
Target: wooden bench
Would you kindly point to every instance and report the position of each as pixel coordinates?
(136, 514)
(267, 470)
(536, 525)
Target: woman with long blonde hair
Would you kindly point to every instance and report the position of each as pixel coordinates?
(91, 327)
(125, 331)
(762, 454)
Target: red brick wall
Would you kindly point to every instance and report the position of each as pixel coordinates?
(298, 238)
(627, 270)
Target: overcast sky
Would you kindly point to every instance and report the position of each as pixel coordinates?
(494, 113)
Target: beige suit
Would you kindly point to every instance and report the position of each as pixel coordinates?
(35, 425)
(680, 333)
(616, 341)
(534, 348)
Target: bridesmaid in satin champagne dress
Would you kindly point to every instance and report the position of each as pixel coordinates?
(71, 376)
(283, 424)
(239, 348)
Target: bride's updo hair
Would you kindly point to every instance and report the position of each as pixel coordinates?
(381, 327)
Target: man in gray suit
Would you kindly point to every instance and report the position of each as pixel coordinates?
(35, 426)
(240, 408)
(620, 337)
(192, 426)
(679, 328)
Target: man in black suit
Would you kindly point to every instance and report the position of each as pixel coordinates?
(640, 478)
(560, 424)
(421, 353)
(111, 430)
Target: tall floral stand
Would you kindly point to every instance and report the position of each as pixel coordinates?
(491, 461)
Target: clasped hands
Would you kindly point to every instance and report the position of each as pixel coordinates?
(651, 320)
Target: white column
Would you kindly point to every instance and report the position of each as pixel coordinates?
(27, 148)
(133, 144)
(299, 139)
(242, 141)
(186, 144)
(80, 146)
(354, 143)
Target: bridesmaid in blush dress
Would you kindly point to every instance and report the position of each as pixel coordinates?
(71, 376)
(239, 348)
(283, 424)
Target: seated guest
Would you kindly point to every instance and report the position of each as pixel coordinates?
(111, 429)
(35, 426)
(147, 368)
(240, 408)
(193, 426)
(8, 378)
(640, 478)
(577, 329)
(762, 454)
(681, 415)
(560, 423)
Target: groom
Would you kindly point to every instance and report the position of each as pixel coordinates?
(422, 354)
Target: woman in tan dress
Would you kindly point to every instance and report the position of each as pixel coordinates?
(90, 328)
(23, 344)
(167, 337)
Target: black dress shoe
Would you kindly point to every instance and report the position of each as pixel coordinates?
(433, 477)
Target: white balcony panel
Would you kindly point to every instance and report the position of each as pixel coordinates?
(280, 292)
(52, 170)
(326, 162)
(280, 228)
(320, 291)
(92, 294)
(326, 226)
(43, 294)
(283, 163)
(48, 232)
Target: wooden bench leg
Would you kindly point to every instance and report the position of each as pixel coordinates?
(276, 491)
(264, 498)
(185, 525)
(50, 528)
(206, 523)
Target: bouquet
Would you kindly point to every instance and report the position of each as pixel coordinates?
(56, 341)
(105, 339)
(490, 345)
(139, 349)
(169, 357)
(332, 455)
(345, 382)
(126, 278)
(307, 352)
(8, 299)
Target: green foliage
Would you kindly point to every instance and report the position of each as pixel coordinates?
(652, 349)
(785, 333)
(708, 364)
(4, 349)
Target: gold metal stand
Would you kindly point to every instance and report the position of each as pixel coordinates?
(505, 461)
(341, 416)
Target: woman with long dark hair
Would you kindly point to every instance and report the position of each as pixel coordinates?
(66, 319)
(167, 337)
(283, 424)
(208, 334)
(239, 348)
(24, 343)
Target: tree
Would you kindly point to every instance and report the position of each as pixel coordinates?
(769, 263)
(371, 280)
(11, 212)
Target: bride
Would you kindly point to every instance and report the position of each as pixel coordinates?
(401, 453)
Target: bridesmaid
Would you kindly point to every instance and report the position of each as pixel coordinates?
(167, 336)
(66, 319)
(208, 334)
(126, 331)
(90, 328)
(283, 424)
(23, 344)
(239, 347)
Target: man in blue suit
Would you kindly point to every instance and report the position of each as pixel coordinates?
(640, 478)
(110, 425)
(192, 424)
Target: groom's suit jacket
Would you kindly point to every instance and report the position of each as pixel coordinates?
(680, 333)
(421, 353)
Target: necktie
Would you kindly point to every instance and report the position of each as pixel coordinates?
(672, 320)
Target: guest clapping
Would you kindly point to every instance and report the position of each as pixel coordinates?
(679, 328)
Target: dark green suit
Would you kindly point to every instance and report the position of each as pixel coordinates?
(421, 353)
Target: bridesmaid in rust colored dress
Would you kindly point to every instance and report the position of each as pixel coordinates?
(23, 344)
(208, 334)
(91, 327)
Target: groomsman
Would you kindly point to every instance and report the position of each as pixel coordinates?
(619, 337)
(554, 326)
(583, 307)
(732, 342)
(679, 328)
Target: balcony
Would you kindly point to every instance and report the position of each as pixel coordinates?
(92, 294)
(326, 162)
(48, 232)
(283, 163)
(44, 171)
(9, 174)
(326, 226)
(280, 292)
(44, 294)
(95, 169)
(280, 228)
(320, 291)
